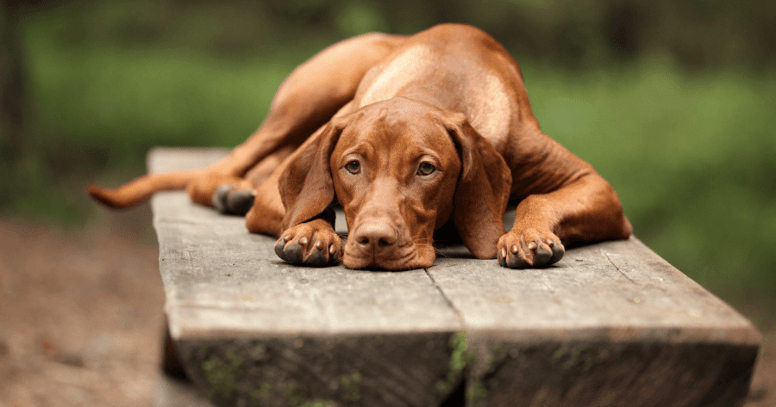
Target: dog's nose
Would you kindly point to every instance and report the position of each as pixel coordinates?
(376, 235)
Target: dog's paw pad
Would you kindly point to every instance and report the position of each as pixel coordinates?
(240, 202)
(228, 200)
(219, 198)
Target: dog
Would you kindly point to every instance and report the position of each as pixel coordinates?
(406, 133)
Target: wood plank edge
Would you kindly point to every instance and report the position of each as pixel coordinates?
(344, 370)
(744, 334)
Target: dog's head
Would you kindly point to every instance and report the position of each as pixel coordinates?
(400, 169)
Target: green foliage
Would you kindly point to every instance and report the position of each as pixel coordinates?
(257, 396)
(460, 358)
(477, 390)
(351, 384)
(295, 396)
(222, 374)
(359, 17)
(689, 153)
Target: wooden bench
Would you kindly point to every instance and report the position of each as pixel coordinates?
(612, 324)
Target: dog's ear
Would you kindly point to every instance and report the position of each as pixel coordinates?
(306, 187)
(483, 188)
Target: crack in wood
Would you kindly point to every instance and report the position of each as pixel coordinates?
(615, 266)
(555, 336)
(458, 314)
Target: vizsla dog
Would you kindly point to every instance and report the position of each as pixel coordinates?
(406, 133)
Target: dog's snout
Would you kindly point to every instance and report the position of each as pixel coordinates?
(376, 235)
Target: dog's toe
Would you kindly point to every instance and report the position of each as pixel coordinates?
(317, 258)
(557, 252)
(542, 256)
(293, 253)
(300, 253)
(510, 258)
(280, 247)
(515, 262)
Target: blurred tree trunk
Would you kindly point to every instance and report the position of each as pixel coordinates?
(11, 83)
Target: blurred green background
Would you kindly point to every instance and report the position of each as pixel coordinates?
(672, 102)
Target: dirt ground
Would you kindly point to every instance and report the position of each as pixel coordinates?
(81, 318)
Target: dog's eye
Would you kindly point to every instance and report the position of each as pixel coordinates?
(353, 167)
(426, 169)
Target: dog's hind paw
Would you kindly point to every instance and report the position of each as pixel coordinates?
(228, 200)
(312, 243)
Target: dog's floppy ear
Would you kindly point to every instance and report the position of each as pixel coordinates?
(483, 188)
(306, 187)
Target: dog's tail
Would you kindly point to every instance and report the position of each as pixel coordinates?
(141, 188)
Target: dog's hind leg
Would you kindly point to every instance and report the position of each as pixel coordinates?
(306, 100)
(313, 93)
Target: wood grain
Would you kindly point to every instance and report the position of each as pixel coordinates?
(253, 329)
(611, 324)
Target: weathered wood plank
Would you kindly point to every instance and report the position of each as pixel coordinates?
(220, 279)
(252, 328)
(610, 291)
(611, 324)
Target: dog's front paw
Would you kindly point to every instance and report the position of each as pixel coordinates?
(530, 247)
(313, 243)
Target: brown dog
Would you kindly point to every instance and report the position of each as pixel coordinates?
(406, 133)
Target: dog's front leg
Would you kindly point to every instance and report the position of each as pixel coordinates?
(585, 210)
(313, 243)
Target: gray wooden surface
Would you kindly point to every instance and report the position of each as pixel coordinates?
(611, 324)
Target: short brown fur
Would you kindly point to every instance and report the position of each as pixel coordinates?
(406, 133)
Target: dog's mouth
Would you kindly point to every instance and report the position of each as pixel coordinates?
(396, 258)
